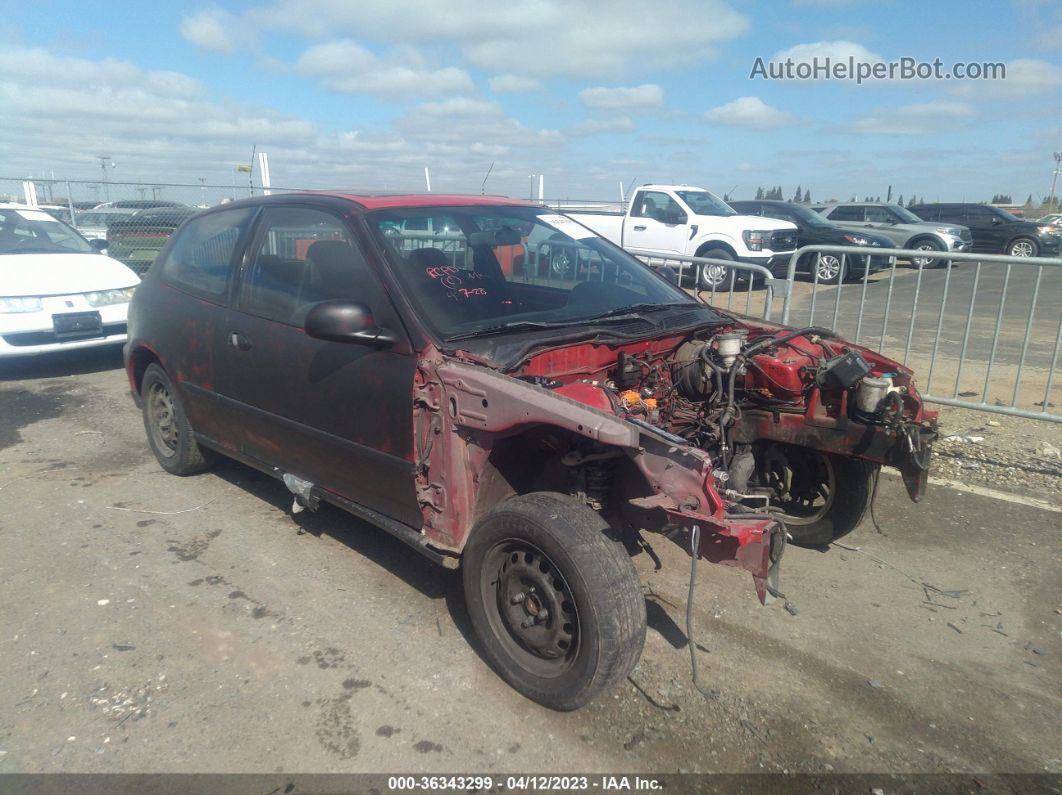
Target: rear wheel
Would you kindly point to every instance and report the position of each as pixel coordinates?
(822, 496)
(168, 430)
(555, 602)
(829, 267)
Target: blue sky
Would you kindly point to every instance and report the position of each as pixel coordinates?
(367, 94)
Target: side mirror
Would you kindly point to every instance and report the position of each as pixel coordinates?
(996, 220)
(346, 321)
(98, 243)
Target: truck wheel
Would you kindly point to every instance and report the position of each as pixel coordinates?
(555, 602)
(168, 430)
(822, 496)
(719, 278)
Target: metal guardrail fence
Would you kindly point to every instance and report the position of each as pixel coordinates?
(992, 329)
(1021, 346)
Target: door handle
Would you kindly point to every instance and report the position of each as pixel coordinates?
(639, 228)
(239, 342)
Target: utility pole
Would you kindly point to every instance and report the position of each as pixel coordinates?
(105, 160)
(1051, 201)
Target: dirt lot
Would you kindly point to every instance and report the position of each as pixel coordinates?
(154, 623)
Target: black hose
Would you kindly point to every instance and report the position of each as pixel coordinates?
(695, 539)
(768, 341)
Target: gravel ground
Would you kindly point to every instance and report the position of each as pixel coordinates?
(1000, 452)
(154, 623)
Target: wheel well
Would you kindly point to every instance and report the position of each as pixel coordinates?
(139, 361)
(1016, 238)
(914, 241)
(715, 244)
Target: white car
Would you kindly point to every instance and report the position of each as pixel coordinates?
(93, 223)
(57, 291)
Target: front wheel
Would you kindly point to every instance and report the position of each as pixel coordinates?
(555, 602)
(822, 496)
(1023, 247)
(830, 269)
(717, 278)
(928, 262)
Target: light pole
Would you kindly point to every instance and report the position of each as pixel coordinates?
(1051, 201)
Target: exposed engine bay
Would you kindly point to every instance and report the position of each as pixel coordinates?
(777, 410)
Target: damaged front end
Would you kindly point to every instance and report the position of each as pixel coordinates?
(482, 436)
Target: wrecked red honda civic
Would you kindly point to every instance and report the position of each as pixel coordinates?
(420, 362)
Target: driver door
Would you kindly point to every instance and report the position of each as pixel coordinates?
(338, 414)
(657, 222)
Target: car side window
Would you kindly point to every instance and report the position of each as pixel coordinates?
(654, 204)
(930, 213)
(847, 212)
(300, 257)
(979, 216)
(200, 259)
(879, 215)
(778, 214)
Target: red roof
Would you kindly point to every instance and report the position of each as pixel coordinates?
(427, 200)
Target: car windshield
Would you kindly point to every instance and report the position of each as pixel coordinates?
(809, 216)
(906, 216)
(100, 218)
(704, 203)
(1005, 215)
(489, 268)
(30, 231)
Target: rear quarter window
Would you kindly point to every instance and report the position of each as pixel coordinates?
(201, 257)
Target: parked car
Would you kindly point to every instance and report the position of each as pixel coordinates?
(996, 231)
(526, 428)
(901, 226)
(93, 224)
(815, 229)
(137, 239)
(685, 220)
(138, 204)
(57, 291)
(1054, 219)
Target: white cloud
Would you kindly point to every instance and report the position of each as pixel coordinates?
(643, 97)
(347, 67)
(545, 38)
(917, 119)
(751, 113)
(471, 122)
(836, 51)
(513, 84)
(211, 29)
(619, 124)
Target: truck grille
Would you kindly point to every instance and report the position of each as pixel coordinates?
(783, 241)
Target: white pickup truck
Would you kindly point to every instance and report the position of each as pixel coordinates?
(689, 221)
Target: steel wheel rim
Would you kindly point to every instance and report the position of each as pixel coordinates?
(561, 264)
(1022, 248)
(714, 275)
(801, 510)
(530, 608)
(163, 419)
(829, 267)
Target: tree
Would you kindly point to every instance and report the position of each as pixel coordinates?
(1029, 201)
(1001, 198)
(759, 194)
(797, 196)
(807, 195)
(899, 201)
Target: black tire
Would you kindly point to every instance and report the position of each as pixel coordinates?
(1023, 247)
(928, 244)
(719, 275)
(848, 481)
(169, 433)
(828, 263)
(595, 628)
